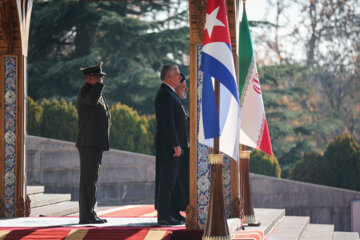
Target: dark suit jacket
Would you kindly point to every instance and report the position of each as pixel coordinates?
(171, 126)
(171, 131)
(94, 117)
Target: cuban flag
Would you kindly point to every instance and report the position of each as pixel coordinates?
(217, 63)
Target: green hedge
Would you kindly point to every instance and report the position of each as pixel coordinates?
(339, 166)
(262, 163)
(58, 119)
(130, 131)
(52, 119)
(34, 115)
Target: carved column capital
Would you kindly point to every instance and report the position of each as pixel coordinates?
(197, 15)
(7, 25)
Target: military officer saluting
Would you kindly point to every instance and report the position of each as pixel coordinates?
(92, 139)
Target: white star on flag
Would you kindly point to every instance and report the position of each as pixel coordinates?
(212, 21)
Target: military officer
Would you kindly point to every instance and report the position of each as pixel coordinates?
(92, 139)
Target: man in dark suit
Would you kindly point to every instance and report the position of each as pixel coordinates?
(170, 139)
(92, 139)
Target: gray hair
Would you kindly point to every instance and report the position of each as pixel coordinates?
(167, 68)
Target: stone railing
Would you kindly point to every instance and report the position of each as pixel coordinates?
(124, 177)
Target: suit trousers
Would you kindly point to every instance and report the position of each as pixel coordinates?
(90, 160)
(169, 171)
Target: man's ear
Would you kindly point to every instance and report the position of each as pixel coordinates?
(89, 79)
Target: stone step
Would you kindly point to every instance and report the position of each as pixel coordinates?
(289, 228)
(39, 200)
(318, 231)
(31, 190)
(56, 210)
(268, 218)
(346, 236)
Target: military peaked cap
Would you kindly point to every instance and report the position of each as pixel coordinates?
(93, 70)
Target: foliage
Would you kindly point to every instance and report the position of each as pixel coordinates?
(343, 157)
(34, 116)
(262, 163)
(84, 33)
(59, 120)
(310, 86)
(313, 168)
(129, 131)
(52, 118)
(339, 166)
(295, 124)
(324, 38)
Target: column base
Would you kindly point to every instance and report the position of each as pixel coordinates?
(251, 221)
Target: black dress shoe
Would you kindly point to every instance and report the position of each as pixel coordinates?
(92, 221)
(169, 221)
(178, 216)
(101, 219)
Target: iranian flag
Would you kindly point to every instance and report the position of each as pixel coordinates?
(254, 130)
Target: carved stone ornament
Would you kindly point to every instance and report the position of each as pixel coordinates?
(190, 220)
(20, 207)
(27, 206)
(201, 12)
(7, 25)
(198, 15)
(238, 207)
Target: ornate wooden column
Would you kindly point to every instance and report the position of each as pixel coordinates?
(199, 162)
(245, 190)
(14, 34)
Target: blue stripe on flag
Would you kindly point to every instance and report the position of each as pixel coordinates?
(217, 70)
(209, 109)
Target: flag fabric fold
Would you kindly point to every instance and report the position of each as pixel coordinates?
(254, 130)
(217, 63)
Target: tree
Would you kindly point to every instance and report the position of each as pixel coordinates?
(262, 163)
(130, 131)
(124, 35)
(34, 116)
(59, 120)
(310, 83)
(343, 157)
(339, 166)
(294, 123)
(313, 168)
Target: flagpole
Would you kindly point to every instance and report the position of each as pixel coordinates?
(245, 190)
(216, 223)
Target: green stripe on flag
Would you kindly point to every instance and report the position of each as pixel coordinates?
(245, 52)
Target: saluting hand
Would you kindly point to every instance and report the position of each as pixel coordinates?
(177, 151)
